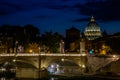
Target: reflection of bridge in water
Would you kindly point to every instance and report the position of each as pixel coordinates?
(57, 63)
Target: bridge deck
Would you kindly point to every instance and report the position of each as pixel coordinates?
(42, 54)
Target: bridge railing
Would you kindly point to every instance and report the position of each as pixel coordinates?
(57, 54)
(42, 54)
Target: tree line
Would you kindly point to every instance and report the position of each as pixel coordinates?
(13, 36)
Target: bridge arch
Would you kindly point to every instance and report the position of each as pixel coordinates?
(73, 64)
(45, 61)
(63, 66)
(19, 62)
(63, 62)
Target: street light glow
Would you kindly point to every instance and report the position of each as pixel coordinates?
(62, 59)
(114, 56)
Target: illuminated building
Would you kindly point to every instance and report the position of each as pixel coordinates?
(92, 30)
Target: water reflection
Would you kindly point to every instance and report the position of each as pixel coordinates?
(53, 78)
(4, 78)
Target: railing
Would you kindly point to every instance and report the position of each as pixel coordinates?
(56, 54)
(42, 54)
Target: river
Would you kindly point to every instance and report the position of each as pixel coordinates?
(70, 78)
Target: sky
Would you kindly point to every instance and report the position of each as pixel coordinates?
(59, 15)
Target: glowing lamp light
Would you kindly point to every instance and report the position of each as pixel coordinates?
(91, 52)
(103, 52)
(30, 50)
(14, 60)
(83, 66)
(52, 66)
(3, 69)
(62, 59)
(114, 56)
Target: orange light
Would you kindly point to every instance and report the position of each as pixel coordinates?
(30, 50)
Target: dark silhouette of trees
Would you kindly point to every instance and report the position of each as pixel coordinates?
(31, 33)
(9, 35)
(13, 36)
(111, 42)
(114, 42)
(51, 41)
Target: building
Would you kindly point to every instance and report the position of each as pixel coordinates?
(92, 30)
(72, 40)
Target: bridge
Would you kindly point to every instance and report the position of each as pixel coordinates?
(45, 59)
(57, 62)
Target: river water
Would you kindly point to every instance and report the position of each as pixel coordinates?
(72, 78)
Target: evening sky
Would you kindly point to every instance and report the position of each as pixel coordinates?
(59, 15)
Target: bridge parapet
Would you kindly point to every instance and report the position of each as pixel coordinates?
(98, 62)
(42, 54)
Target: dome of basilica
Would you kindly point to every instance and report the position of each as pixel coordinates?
(92, 30)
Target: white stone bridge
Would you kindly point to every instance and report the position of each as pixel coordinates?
(47, 58)
(44, 60)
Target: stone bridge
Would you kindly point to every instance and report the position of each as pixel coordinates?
(44, 60)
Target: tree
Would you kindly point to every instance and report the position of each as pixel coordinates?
(51, 40)
(23, 35)
(114, 43)
(31, 33)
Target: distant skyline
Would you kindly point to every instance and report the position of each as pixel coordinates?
(59, 15)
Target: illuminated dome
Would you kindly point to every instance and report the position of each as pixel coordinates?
(92, 31)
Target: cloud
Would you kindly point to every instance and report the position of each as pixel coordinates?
(63, 4)
(81, 20)
(7, 8)
(107, 10)
(42, 17)
(59, 7)
(10, 6)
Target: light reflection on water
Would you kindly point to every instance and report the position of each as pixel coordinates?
(4, 78)
(53, 78)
